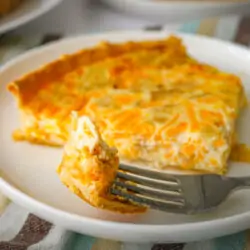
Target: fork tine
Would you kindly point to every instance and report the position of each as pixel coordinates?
(153, 174)
(164, 205)
(148, 181)
(149, 192)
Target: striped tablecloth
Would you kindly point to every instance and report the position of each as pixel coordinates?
(20, 230)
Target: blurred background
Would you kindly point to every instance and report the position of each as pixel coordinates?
(46, 20)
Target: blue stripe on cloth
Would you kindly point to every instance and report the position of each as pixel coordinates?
(231, 242)
(80, 242)
(190, 27)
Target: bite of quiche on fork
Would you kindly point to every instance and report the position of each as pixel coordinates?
(89, 167)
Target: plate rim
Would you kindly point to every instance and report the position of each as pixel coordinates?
(185, 3)
(190, 3)
(23, 19)
(149, 230)
(180, 11)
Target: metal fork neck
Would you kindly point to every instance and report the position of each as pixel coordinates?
(242, 181)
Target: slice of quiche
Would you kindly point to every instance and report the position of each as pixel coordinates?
(47, 96)
(150, 100)
(89, 167)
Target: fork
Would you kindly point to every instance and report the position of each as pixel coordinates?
(185, 194)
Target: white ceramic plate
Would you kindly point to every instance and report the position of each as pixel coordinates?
(27, 11)
(28, 171)
(178, 11)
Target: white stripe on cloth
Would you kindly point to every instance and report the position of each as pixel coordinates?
(227, 28)
(11, 221)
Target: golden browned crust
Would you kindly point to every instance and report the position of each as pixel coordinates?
(109, 202)
(27, 86)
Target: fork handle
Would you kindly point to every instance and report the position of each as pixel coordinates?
(242, 181)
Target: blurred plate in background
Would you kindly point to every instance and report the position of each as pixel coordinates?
(177, 11)
(26, 12)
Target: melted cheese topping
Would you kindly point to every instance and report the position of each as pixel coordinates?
(184, 117)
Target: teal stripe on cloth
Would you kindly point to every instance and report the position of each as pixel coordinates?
(231, 242)
(79, 242)
(190, 27)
